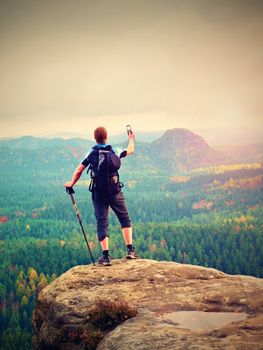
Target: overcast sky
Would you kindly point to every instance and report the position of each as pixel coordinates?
(157, 64)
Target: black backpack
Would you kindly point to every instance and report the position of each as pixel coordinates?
(104, 166)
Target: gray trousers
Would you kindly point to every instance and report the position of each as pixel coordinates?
(101, 205)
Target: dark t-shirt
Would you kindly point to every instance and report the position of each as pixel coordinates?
(120, 152)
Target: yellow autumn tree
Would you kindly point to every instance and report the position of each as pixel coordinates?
(32, 286)
(32, 274)
(20, 289)
(24, 300)
(53, 276)
(42, 282)
(28, 291)
(153, 247)
(20, 278)
(62, 243)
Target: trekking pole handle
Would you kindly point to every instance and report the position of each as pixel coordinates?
(129, 130)
(70, 190)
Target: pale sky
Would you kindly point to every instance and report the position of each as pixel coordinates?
(156, 64)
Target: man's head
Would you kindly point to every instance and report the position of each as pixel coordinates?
(100, 134)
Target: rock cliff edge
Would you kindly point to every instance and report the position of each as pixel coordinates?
(149, 305)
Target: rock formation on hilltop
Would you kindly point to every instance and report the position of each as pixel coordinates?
(170, 306)
(180, 150)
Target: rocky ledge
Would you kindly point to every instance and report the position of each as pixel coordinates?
(145, 305)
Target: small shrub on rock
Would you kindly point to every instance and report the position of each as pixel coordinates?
(108, 314)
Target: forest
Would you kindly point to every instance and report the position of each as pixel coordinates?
(211, 216)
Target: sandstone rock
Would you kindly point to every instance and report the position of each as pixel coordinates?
(165, 294)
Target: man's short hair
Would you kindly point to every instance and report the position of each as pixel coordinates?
(100, 134)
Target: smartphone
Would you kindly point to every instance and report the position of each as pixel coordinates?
(129, 130)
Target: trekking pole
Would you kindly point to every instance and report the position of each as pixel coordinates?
(70, 191)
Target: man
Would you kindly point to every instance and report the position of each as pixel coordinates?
(102, 198)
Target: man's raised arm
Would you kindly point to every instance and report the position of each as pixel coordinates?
(130, 148)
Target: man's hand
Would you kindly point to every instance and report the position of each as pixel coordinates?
(68, 184)
(131, 136)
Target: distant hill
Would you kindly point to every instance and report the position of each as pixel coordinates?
(33, 143)
(176, 151)
(180, 150)
(224, 136)
(244, 153)
(230, 136)
(141, 136)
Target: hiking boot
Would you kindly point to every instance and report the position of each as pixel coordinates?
(104, 260)
(131, 254)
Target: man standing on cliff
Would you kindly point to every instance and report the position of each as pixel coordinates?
(104, 162)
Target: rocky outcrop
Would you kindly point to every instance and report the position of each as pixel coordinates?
(162, 305)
